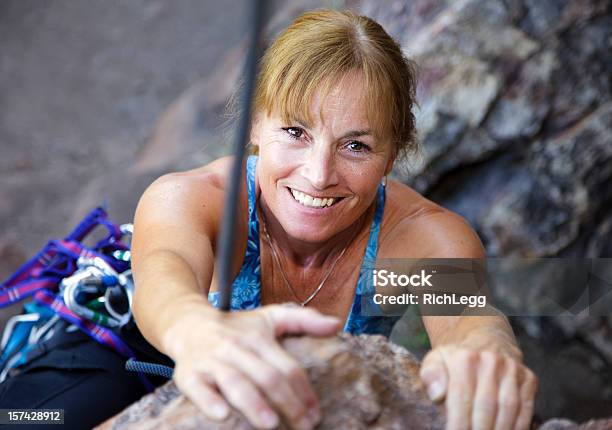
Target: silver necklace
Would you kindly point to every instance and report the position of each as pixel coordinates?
(284, 276)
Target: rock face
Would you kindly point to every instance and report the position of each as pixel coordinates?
(515, 117)
(515, 121)
(363, 382)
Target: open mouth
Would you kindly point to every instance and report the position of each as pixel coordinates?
(313, 202)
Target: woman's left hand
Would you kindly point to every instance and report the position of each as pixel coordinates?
(484, 389)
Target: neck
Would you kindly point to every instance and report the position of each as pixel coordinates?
(310, 254)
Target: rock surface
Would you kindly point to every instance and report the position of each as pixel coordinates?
(514, 117)
(516, 127)
(363, 382)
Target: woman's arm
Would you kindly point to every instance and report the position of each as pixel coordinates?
(454, 238)
(172, 256)
(475, 364)
(221, 359)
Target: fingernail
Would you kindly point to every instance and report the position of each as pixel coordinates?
(268, 419)
(219, 411)
(435, 390)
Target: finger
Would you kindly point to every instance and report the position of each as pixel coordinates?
(242, 394)
(462, 382)
(272, 352)
(294, 320)
(434, 376)
(204, 396)
(528, 392)
(487, 386)
(508, 397)
(274, 385)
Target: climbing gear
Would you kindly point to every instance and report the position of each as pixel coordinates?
(151, 368)
(96, 287)
(74, 287)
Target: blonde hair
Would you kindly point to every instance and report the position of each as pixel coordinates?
(320, 48)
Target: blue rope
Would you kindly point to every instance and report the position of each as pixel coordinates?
(151, 368)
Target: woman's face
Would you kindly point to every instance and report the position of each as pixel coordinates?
(318, 179)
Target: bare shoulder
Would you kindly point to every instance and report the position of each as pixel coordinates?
(214, 174)
(191, 200)
(417, 227)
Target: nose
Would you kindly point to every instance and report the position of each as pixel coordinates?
(320, 168)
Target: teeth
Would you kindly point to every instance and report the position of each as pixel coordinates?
(310, 201)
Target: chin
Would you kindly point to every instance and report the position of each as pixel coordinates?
(305, 233)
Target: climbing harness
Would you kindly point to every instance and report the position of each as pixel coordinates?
(73, 286)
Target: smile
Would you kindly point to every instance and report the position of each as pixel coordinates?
(313, 202)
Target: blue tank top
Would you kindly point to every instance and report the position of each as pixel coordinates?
(246, 289)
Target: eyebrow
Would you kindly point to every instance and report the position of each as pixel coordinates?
(300, 121)
(357, 133)
(352, 133)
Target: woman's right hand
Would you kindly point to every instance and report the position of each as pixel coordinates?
(235, 359)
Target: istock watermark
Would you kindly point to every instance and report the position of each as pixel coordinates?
(384, 277)
(515, 286)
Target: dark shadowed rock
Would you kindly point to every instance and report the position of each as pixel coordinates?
(363, 382)
(567, 181)
(513, 93)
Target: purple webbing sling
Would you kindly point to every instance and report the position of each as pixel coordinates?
(41, 276)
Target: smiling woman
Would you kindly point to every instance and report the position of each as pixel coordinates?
(332, 114)
(334, 157)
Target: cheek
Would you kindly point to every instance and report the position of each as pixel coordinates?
(277, 160)
(277, 166)
(365, 183)
(364, 175)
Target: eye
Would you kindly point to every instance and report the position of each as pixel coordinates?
(356, 146)
(294, 132)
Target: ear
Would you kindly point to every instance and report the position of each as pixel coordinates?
(390, 163)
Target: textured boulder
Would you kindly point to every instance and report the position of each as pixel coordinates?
(514, 117)
(363, 382)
